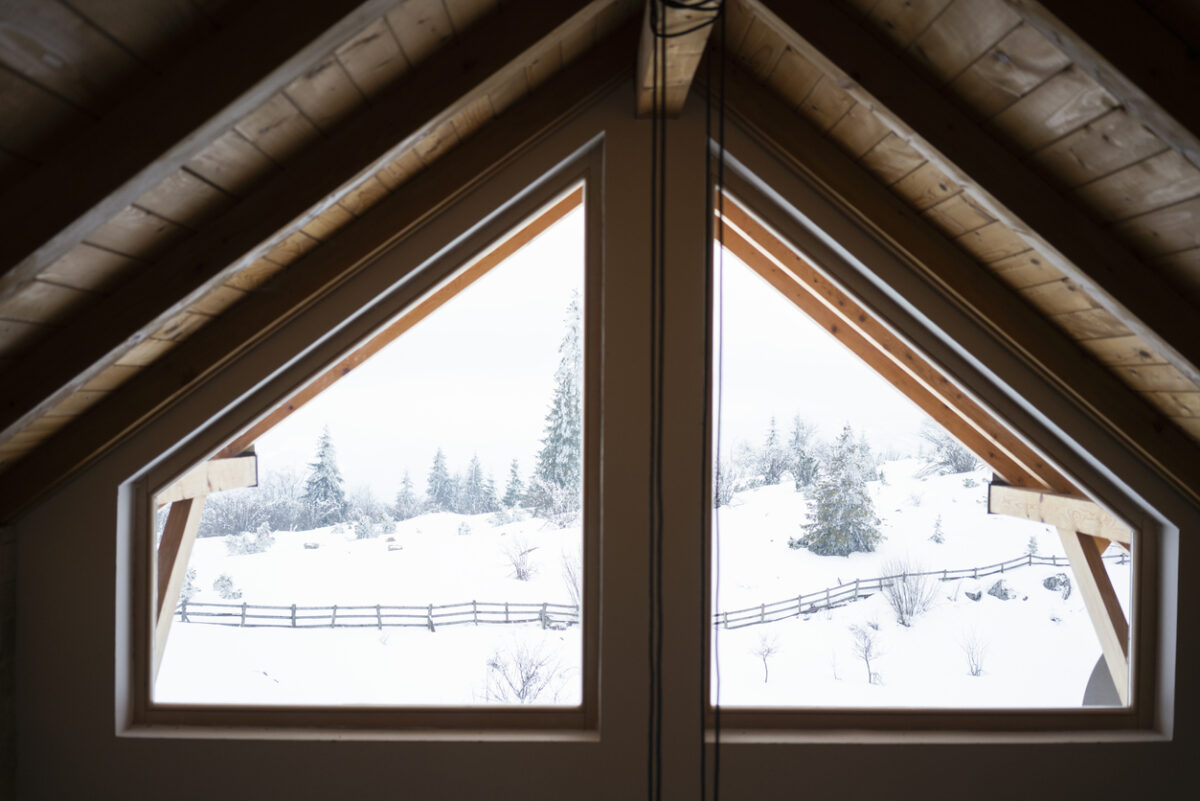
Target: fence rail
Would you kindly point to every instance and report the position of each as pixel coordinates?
(430, 616)
(831, 597)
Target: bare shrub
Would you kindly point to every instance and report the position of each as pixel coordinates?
(766, 648)
(521, 674)
(224, 588)
(907, 591)
(975, 650)
(866, 648)
(572, 576)
(517, 552)
(247, 543)
(948, 455)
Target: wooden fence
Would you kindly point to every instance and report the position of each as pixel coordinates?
(831, 597)
(429, 616)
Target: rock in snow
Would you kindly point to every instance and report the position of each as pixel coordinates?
(1059, 582)
(1002, 591)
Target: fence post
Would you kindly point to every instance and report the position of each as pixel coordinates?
(379, 615)
(545, 616)
(1030, 561)
(183, 612)
(826, 597)
(726, 613)
(506, 612)
(243, 623)
(293, 616)
(856, 593)
(974, 572)
(333, 617)
(799, 604)
(944, 574)
(430, 616)
(762, 613)
(475, 612)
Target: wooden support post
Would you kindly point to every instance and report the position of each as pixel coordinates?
(174, 552)
(1061, 511)
(212, 476)
(686, 32)
(1112, 628)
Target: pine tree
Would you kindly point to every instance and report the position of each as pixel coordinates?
(802, 463)
(473, 500)
(324, 498)
(490, 502)
(772, 460)
(558, 480)
(844, 520)
(407, 506)
(439, 486)
(515, 489)
(938, 535)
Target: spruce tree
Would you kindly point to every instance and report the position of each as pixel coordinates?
(772, 461)
(558, 479)
(490, 502)
(801, 462)
(407, 505)
(324, 498)
(439, 486)
(473, 489)
(844, 519)
(515, 489)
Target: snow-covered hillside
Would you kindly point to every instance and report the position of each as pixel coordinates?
(1035, 650)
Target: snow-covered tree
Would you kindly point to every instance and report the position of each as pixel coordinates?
(489, 500)
(472, 500)
(843, 520)
(772, 459)
(323, 496)
(514, 490)
(938, 536)
(801, 461)
(439, 488)
(407, 504)
(558, 480)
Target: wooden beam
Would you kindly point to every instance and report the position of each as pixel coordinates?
(155, 131)
(486, 57)
(685, 31)
(214, 347)
(973, 288)
(910, 372)
(174, 553)
(1104, 609)
(1008, 188)
(481, 267)
(216, 475)
(1061, 511)
(1150, 70)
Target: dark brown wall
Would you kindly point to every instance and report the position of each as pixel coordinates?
(8, 624)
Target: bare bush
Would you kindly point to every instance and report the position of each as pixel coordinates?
(948, 455)
(517, 552)
(766, 648)
(521, 674)
(975, 650)
(247, 543)
(907, 591)
(224, 588)
(572, 575)
(866, 648)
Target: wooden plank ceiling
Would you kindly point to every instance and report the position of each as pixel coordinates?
(299, 141)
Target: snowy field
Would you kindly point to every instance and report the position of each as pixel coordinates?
(1035, 650)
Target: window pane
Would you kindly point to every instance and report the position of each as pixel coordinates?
(416, 535)
(858, 566)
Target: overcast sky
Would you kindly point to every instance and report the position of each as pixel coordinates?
(477, 377)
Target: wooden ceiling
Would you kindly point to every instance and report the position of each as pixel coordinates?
(165, 162)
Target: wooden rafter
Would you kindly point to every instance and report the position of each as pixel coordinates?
(1061, 511)
(216, 475)
(174, 118)
(686, 31)
(885, 353)
(481, 267)
(1128, 52)
(1008, 188)
(200, 356)
(974, 289)
(174, 553)
(95, 338)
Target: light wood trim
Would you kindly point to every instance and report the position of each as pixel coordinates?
(174, 553)
(1147, 67)
(486, 57)
(1100, 599)
(973, 288)
(683, 53)
(908, 371)
(481, 267)
(174, 118)
(427, 195)
(1061, 511)
(1007, 188)
(215, 475)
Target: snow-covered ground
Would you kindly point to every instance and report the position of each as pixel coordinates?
(1036, 650)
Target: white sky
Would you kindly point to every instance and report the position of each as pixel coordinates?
(477, 377)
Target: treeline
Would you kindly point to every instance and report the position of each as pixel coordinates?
(285, 502)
